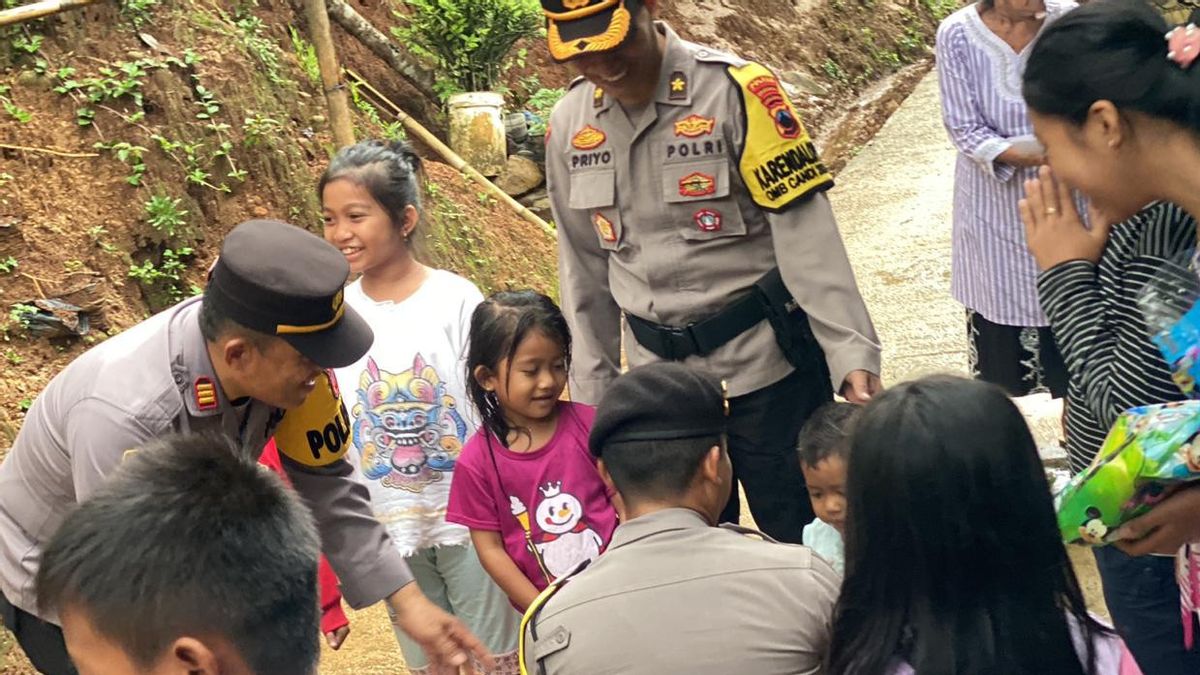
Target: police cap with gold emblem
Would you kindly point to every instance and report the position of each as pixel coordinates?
(660, 402)
(576, 27)
(281, 280)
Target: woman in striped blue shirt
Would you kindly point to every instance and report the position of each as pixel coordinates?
(981, 52)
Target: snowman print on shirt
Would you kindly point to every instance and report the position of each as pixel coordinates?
(566, 540)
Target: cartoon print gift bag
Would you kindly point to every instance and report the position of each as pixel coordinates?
(1150, 451)
(1170, 305)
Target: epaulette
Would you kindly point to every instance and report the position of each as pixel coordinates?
(748, 532)
(558, 639)
(578, 79)
(710, 55)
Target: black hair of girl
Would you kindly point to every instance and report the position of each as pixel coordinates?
(389, 170)
(953, 558)
(498, 326)
(1111, 50)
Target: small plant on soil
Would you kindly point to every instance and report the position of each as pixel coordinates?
(163, 283)
(138, 11)
(164, 214)
(25, 404)
(468, 43)
(306, 54)
(19, 315)
(131, 155)
(13, 357)
(15, 112)
(259, 129)
(261, 47)
(8, 265)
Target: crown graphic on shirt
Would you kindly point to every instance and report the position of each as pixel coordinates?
(552, 489)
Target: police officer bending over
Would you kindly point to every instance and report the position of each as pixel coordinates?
(650, 604)
(246, 361)
(690, 199)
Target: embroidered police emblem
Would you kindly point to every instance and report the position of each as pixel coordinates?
(695, 126)
(588, 138)
(766, 88)
(679, 86)
(708, 220)
(697, 185)
(604, 227)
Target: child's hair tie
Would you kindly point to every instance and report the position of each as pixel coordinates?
(1183, 45)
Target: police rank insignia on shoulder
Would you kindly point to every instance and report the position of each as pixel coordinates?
(779, 164)
(318, 432)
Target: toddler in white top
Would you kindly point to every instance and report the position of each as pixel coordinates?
(824, 444)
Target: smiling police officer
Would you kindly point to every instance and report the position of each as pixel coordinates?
(690, 199)
(246, 360)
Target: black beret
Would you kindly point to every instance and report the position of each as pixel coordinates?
(660, 401)
(282, 280)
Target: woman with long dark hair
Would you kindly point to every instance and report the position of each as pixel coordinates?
(954, 564)
(1114, 96)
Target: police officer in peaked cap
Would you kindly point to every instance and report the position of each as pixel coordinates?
(246, 360)
(690, 200)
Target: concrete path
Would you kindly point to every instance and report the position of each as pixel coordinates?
(893, 203)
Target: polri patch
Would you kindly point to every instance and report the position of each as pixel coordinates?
(679, 86)
(697, 184)
(588, 138)
(708, 220)
(695, 126)
(604, 227)
(206, 394)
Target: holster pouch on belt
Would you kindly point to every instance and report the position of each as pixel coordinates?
(769, 300)
(793, 332)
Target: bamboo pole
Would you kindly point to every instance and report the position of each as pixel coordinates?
(38, 10)
(335, 92)
(374, 39)
(452, 158)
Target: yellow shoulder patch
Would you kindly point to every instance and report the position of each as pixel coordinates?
(318, 432)
(779, 163)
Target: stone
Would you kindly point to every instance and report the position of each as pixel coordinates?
(520, 176)
(797, 82)
(538, 202)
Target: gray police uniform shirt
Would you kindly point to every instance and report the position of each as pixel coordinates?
(154, 379)
(654, 219)
(660, 600)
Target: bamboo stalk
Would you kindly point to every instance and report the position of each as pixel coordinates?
(379, 43)
(38, 10)
(335, 92)
(452, 158)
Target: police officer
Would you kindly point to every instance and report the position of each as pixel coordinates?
(648, 604)
(689, 199)
(246, 361)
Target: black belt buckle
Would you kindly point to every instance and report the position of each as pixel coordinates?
(679, 343)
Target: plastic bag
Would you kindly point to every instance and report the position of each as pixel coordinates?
(1150, 451)
(1169, 306)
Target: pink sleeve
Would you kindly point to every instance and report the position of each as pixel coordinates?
(1128, 665)
(472, 502)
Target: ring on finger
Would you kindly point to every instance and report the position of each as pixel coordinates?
(1050, 210)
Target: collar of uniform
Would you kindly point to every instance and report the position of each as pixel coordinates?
(677, 59)
(195, 376)
(666, 520)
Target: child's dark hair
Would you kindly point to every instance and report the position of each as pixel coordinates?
(953, 558)
(498, 326)
(389, 170)
(1110, 50)
(827, 433)
(190, 537)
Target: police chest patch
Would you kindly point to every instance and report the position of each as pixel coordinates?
(588, 138)
(708, 220)
(779, 163)
(697, 185)
(604, 227)
(695, 126)
(318, 432)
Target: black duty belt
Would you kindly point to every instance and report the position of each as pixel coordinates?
(702, 337)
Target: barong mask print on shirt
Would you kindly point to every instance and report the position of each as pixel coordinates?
(407, 429)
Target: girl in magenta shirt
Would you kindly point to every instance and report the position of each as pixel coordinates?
(525, 483)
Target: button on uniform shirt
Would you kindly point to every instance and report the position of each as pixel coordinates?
(655, 219)
(675, 595)
(155, 379)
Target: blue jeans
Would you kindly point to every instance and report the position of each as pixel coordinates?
(1143, 598)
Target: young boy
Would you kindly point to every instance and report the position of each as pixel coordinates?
(824, 444)
(192, 560)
